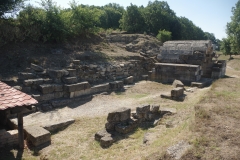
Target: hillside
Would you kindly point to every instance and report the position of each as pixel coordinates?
(17, 57)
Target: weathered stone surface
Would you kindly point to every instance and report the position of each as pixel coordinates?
(72, 72)
(168, 72)
(37, 135)
(102, 133)
(177, 83)
(31, 82)
(155, 108)
(142, 111)
(106, 141)
(37, 68)
(69, 80)
(8, 138)
(58, 87)
(57, 73)
(119, 115)
(58, 125)
(47, 97)
(127, 127)
(82, 92)
(24, 76)
(76, 87)
(46, 88)
(110, 126)
(58, 95)
(116, 85)
(76, 62)
(177, 92)
(59, 103)
(100, 88)
(128, 80)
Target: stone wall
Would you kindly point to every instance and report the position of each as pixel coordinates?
(78, 79)
(168, 72)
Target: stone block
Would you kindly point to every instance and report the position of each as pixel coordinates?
(69, 80)
(46, 97)
(37, 68)
(128, 80)
(155, 108)
(143, 109)
(116, 85)
(58, 95)
(72, 72)
(100, 134)
(119, 115)
(110, 126)
(58, 87)
(106, 141)
(31, 82)
(76, 62)
(37, 135)
(56, 74)
(82, 92)
(177, 83)
(58, 125)
(37, 97)
(100, 88)
(177, 92)
(24, 76)
(8, 138)
(128, 127)
(47, 88)
(76, 87)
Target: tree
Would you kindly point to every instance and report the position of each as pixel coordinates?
(226, 46)
(210, 36)
(159, 16)
(164, 36)
(10, 6)
(233, 29)
(132, 20)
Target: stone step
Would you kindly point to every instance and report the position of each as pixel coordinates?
(69, 80)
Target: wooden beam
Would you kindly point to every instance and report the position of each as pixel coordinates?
(20, 131)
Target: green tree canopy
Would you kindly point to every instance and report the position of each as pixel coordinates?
(132, 20)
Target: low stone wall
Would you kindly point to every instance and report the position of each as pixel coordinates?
(8, 138)
(168, 72)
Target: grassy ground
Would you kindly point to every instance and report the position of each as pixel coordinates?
(217, 119)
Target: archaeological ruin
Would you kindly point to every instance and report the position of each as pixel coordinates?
(189, 62)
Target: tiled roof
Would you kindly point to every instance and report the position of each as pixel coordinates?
(10, 97)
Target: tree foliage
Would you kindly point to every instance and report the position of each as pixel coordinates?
(10, 6)
(164, 36)
(49, 22)
(132, 20)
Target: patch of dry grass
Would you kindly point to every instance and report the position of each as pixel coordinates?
(217, 121)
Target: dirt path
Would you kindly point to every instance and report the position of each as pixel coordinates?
(144, 92)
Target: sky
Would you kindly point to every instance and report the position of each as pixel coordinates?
(210, 15)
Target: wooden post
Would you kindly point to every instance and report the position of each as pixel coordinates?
(20, 131)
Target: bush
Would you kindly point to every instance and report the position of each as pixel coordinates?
(164, 36)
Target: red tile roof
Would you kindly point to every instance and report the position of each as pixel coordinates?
(10, 97)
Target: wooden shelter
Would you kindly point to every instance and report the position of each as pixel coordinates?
(14, 100)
